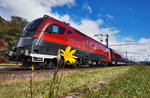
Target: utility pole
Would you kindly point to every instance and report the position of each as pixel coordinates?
(107, 40)
(126, 54)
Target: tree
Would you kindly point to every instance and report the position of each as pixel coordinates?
(9, 30)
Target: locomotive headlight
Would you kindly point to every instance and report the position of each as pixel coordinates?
(26, 52)
(33, 41)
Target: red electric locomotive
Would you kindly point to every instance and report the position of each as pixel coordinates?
(40, 40)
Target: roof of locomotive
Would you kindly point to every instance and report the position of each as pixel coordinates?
(68, 25)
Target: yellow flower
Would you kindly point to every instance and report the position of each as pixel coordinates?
(68, 55)
(32, 67)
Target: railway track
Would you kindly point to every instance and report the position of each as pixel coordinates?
(13, 74)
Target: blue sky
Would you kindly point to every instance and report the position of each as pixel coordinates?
(126, 21)
(131, 17)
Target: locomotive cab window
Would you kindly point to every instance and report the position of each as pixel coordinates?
(69, 32)
(55, 29)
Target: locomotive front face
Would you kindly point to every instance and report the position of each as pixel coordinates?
(24, 46)
(34, 43)
(26, 38)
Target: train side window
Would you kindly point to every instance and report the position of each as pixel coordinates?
(69, 32)
(61, 30)
(55, 29)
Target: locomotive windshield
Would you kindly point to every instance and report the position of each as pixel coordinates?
(26, 37)
(32, 26)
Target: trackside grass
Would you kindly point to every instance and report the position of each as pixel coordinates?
(133, 84)
(69, 83)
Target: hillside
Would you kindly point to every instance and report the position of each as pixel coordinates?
(3, 21)
(3, 24)
(9, 30)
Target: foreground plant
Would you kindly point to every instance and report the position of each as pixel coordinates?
(32, 67)
(56, 81)
(68, 55)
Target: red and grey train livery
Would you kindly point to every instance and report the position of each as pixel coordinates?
(118, 59)
(40, 40)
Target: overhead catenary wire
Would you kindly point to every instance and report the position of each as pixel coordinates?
(125, 44)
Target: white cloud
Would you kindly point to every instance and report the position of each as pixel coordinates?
(86, 6)
(129, 38)
(99, 15)
(109, 16)
(3, 5)
(32, 9)
(55, 3)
